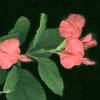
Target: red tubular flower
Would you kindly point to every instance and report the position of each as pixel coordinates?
(88, 41)
(77, 20)
(75, 46)
(73, 54)
(69, 60)
(87, 61)
(10, 53)
(72, 27)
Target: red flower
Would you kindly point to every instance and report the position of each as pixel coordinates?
(69, 60)
(75, 46)
(73, 54)
(72, 27)
(88, 41)
(10, 53)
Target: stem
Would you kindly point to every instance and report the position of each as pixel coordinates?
(57, 51)
(61, 46)
(54, 51)
(8, 91)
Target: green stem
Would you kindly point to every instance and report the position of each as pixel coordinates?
(61, 46)
(53, 51)
(56, 51)
(8, 91)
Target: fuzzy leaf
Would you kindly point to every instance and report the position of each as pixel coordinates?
(22, 26)
(14, 35)
(11, 80)
(40, 30)
(50, 75)
(20, 30)
(50, 39)
(27, 88)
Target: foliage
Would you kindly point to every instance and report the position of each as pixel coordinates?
(20, 84)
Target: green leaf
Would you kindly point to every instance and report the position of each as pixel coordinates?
(50, 75)
(3, 75)
(49, 39)
(21, 27)
(27, 88)
(34, 43)
(11, 80)
(40, 30)
(45, 39)
(20, 30)
(39, 53)
(14, 35)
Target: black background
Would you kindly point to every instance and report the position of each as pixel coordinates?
(81, 83)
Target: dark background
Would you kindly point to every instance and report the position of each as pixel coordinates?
(81, 83)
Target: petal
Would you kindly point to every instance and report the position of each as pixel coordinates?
(9, 53)
(72, 27)
(6, 64)
(24, 58)
(10, 46)
(90, 44)
(67, 30)
(13, 58)
(69, 60)
(77, 19)
(7, 60)
(87, 38)
(87, 61)
(75, 46)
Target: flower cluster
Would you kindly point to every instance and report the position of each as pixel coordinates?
(73, 54)
(10, 53)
